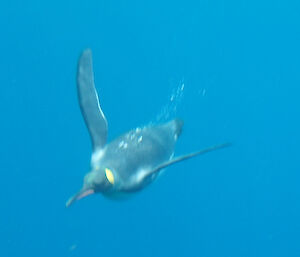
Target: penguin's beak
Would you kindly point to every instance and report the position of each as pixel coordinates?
(81, 194)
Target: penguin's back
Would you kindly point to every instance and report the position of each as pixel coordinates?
(141, 149)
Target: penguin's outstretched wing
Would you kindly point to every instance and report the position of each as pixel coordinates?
(88, 101)
(185, 157)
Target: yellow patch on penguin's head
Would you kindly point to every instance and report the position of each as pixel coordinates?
(110, 176)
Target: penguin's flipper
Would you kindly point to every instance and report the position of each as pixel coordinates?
(188, 156)
(88, 101)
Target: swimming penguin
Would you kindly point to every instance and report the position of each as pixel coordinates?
(131, 161)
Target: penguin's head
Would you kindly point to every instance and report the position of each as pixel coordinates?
(99, 180)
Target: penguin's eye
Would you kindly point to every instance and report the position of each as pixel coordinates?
(110, 176)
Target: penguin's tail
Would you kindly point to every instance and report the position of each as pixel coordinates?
(177, 124)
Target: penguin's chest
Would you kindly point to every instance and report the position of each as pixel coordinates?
(130, 181)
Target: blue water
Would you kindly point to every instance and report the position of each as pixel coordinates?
(239, 62)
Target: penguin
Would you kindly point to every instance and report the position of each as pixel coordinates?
(133, 160)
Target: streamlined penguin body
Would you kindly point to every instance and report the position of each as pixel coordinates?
(131, 156)
(131, 161)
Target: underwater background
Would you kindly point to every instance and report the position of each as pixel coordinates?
(229, 69)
